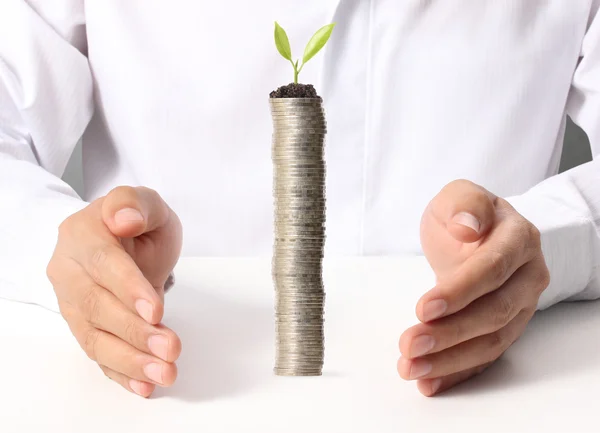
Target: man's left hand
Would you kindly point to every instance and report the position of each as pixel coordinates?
(490, 273)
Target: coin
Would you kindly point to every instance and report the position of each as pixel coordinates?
(299, 178)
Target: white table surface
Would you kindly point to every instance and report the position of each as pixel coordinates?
(223, 310)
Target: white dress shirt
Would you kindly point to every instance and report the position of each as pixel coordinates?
(173, 95)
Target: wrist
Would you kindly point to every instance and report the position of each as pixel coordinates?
(566, 245)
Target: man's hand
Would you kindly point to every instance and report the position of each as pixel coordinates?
(490, 273)
(108, 271)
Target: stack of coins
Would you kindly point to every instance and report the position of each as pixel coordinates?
(299, 192)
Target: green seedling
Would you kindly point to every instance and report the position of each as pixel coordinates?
(316, 43)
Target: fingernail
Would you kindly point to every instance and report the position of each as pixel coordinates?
(136, 386)
(419, 368)
(153, 372)
(128, 215)
(144, 309)
(467, 220)
(421, 345)
(434, 309)
(159, 346)
(435, 385)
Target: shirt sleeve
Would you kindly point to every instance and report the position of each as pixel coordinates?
(46, 102)
(566, 208)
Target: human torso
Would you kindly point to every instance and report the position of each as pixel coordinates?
(417, 93)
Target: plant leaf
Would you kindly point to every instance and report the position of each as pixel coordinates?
(282, 42)
(317, 42)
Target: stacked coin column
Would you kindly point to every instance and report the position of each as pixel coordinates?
(299, 129)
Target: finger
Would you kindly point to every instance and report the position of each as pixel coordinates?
(431, 387)
(129, 212)
(503, 252)
(113, 269)
(87, 241)
(466, 209)
(464, 356)
(148, 229)
(104, 311)
(483, 316)
(160, 290)
(143, 389)
(112, 352)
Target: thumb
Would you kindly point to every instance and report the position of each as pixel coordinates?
(129, 212)
(465, 209)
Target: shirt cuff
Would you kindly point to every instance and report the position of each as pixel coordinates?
(28, 249)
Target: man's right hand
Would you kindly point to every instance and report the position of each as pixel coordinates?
(108, 270)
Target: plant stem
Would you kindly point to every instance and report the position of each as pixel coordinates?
(296, 71)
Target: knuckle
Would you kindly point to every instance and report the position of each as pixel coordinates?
(71, 227)
(482, 199)
(517, 235)
(91, 306)
(504, 311)
(521, 227)
(123, 192)
(65, 227)
(543, 278)
(90, 341)
(459, 183)
(153, 194)
(456, 186)
(177, 222)
(533, 242)
(132, 332)
(534, 235)
(98, 261)
(499, 264)
(156, 202)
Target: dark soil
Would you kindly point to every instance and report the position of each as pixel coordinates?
(293, 90)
